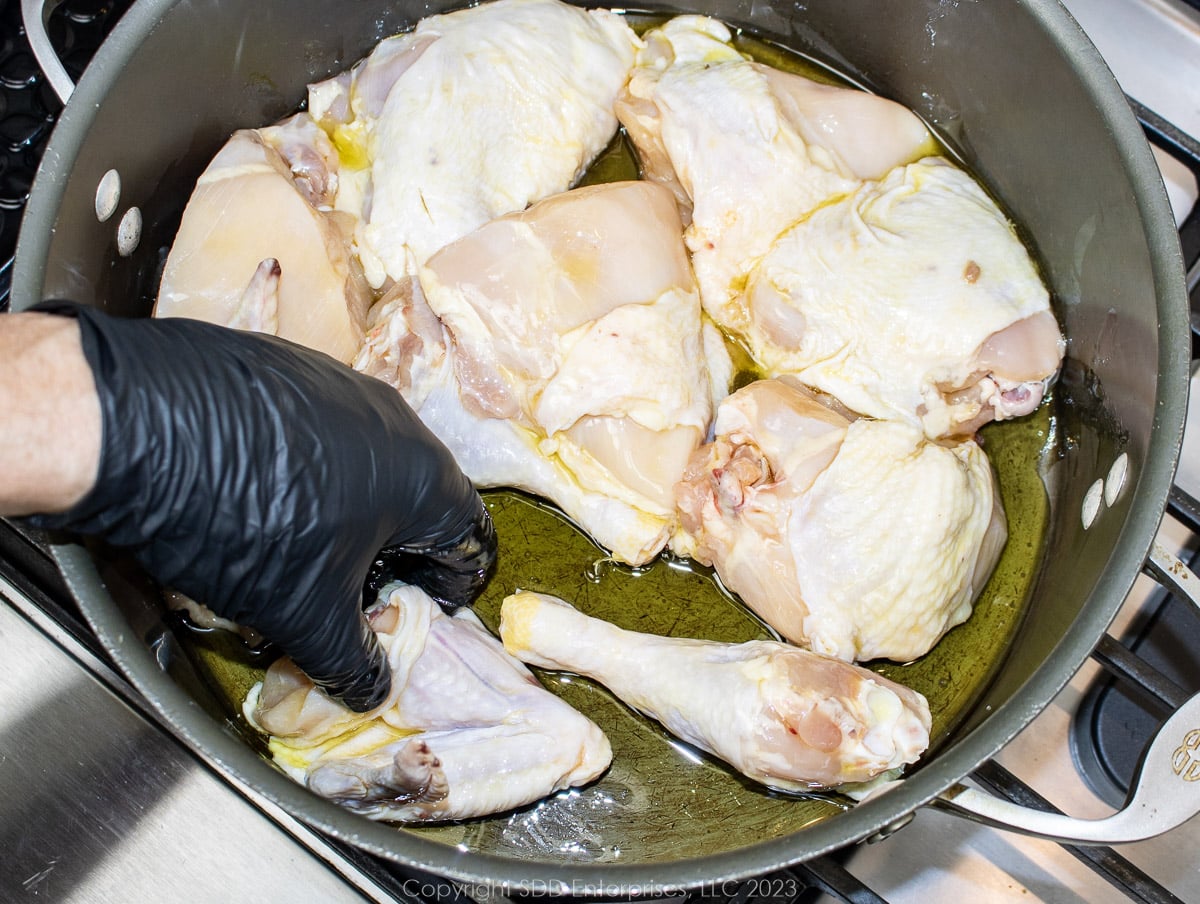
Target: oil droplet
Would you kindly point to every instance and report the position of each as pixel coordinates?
(601, 568)
(595, 572)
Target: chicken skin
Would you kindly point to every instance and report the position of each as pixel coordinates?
(911, 299)
(472, 114)
(858, 539)
(295, 229)
(780, 715)
(573, 361)
(749, 150)
(829, 243)
(466, 731)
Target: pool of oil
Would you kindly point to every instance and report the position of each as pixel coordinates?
(661, 799)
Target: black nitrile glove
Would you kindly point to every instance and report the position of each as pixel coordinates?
(452, 574)
(262, 479)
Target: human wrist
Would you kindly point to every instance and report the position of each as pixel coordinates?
(53, 426)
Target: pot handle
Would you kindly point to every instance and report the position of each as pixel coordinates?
(1165, 791)
(35, 14)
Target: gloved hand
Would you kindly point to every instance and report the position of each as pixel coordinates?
(262, 479)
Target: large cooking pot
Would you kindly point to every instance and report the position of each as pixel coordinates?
(1014, 86)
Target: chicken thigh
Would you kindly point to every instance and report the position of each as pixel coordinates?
(749, 150)
(827, 244)
(574, 364)
(473, 114)
(858, 539)
(467, 730)
(779, 715)
(910, 299)
(260, 248)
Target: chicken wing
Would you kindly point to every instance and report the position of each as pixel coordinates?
(467, 730)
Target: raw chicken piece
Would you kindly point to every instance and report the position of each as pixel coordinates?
(466, 731)
(577, 369)
(406, 345)
(780, 715)
(259, 249)
(473, 114)
(858, 539)
(912, 298)
(749, 150)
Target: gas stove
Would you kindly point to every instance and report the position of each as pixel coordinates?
(103, 803)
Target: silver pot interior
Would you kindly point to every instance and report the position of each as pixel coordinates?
(1014, 87)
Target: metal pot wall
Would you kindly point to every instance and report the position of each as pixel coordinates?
(1015, 86)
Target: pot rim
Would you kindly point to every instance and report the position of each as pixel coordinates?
(229, 752)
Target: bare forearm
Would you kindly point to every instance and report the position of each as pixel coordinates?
(50, 439)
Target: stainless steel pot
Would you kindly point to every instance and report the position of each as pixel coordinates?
(1015, 86)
